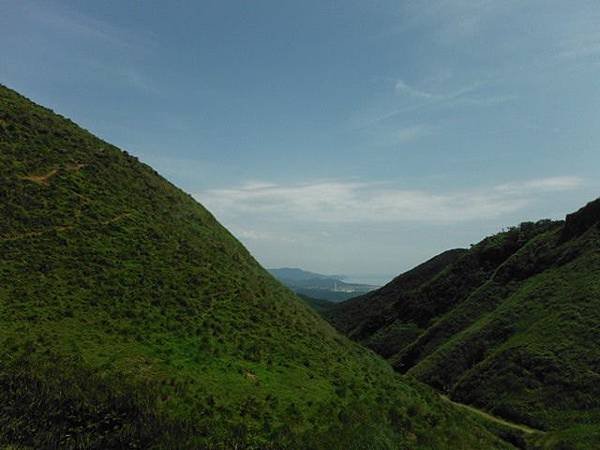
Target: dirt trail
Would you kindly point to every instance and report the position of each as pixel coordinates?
(45, 179)
(75, 167)
(116, 218)
(40, 179)
(29, 234)
(516, 426)
(16, 237)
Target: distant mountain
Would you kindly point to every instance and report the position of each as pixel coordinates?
(130, 318)
(299, 275)
(326, 287)
(511, 325)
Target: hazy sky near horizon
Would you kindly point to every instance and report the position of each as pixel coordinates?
(357, 137)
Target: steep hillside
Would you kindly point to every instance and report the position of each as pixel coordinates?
(129, 318)
(512, 326)
(372, 317)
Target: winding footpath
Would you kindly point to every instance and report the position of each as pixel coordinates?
(516, 426)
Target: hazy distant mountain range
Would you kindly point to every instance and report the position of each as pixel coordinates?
(319, 286)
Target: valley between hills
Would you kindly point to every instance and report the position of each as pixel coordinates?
(130, 318)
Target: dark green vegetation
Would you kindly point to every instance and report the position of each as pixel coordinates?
(331, 288)
(317, 304)
(511, 326)
(129, 318)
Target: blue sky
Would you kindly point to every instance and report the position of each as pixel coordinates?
(357, 137)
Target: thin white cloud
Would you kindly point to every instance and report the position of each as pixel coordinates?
(551, 184)
(581, 44)
(248, 234)
(462, 96)
(355, 202)
(455, 20)
(397, 136)
(410, 133)
(70, 22)
(126, 74)
(403, 88)
(431, 100)
(563, 29)
(107, 52)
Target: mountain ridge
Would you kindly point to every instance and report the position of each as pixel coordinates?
(510, 326)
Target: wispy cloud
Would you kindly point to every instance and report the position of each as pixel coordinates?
(126, 74)
(410, 133)
(454, 20)
(402, 87)
(567, 30)
(72, 23)
(355, 202)
(248, 234)
(420, 99)
(581, 44)
(107, 52)
(551, 184)
(462, 96)
(397, 135)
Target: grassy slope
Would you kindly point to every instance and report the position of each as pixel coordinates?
(130, 318)
(521, 340)
(535, 357)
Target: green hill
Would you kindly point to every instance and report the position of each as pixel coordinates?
(129, 318)
(510, 326)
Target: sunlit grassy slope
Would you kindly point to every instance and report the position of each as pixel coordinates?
(511, 326)
(129, 318)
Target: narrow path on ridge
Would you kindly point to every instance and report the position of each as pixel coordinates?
(520, 427)
(29, 234)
